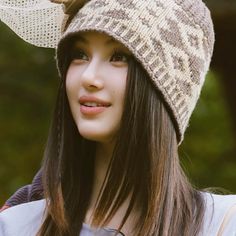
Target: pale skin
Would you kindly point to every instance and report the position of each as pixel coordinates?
(95, 85)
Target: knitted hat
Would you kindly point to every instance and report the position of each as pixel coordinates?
(173, 40)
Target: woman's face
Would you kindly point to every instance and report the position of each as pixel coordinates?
(95, 85)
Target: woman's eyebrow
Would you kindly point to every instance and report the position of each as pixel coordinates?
(109, 42)
(112, 41)
(81, 39)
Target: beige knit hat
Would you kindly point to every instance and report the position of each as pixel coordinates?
(173, 40)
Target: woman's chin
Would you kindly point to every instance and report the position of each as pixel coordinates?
(94, 136)
(102, 133)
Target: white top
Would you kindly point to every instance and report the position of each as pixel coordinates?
(25, 219)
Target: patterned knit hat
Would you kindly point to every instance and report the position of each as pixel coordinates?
(173, 40)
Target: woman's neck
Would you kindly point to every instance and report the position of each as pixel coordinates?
(103, 157)
(102, 161)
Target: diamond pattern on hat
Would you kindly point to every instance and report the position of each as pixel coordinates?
(172, 39)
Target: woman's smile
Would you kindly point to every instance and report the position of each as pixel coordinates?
(90, 105)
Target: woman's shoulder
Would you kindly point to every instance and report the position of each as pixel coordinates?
(220, 214)
(22, 220)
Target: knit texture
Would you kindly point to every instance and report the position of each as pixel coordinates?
(38, 22)
(173, 40)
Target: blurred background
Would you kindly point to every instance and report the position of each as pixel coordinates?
(28, 86)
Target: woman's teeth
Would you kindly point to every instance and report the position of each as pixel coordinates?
(92, 104)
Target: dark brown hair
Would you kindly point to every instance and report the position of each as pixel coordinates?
(144, 165)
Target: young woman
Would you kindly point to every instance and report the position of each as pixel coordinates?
(131, 73)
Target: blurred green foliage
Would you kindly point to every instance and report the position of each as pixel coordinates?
(208, 151)
(28, 87)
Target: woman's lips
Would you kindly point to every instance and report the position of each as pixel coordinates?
(90, 105)
(91, 110)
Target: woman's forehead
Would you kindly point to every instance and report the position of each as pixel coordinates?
(90, 36)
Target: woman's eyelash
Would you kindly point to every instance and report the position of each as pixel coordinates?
(116, 56)
(120, 56)
(78, 54)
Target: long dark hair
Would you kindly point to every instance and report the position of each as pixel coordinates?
(144, 165)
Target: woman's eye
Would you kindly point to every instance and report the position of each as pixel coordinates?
(119, 57)
(78, 55)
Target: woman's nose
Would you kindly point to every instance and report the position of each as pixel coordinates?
(92, 76)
